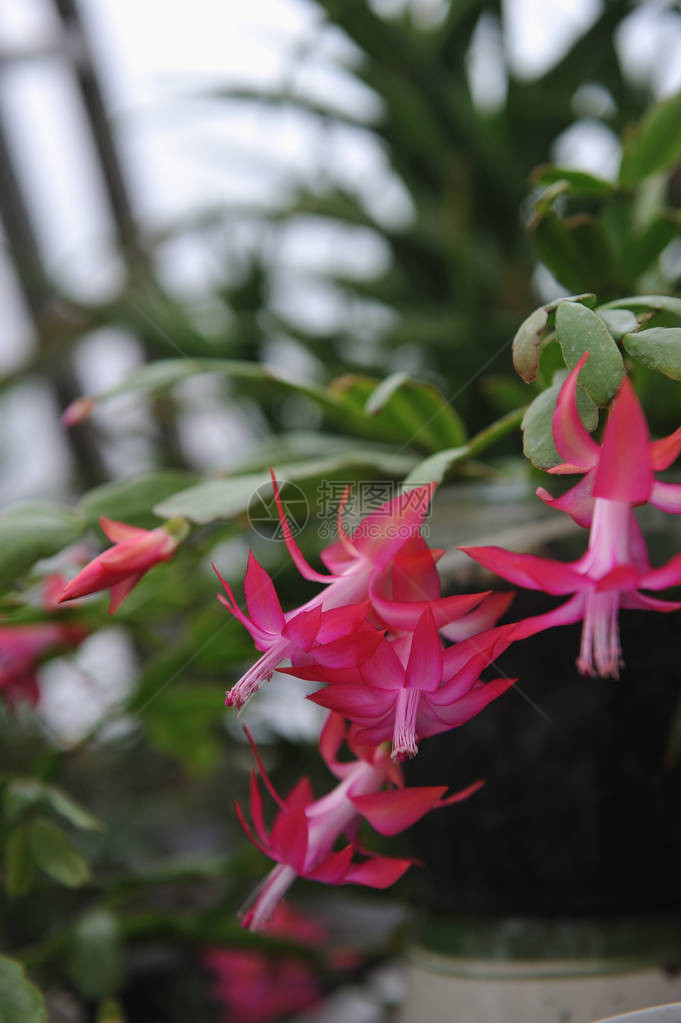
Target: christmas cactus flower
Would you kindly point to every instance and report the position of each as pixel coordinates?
(615, 567)
(309, 629)
(121, 567)
(352, 562)
(302, 840)
(623, 467)
(409, 689)
(21, 649)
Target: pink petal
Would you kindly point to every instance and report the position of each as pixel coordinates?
(380, 535)
(528, 570)
(292, 547)
(573, 441)
(665, 451)
(666, 496)
(249, 833)
(314, 672)
(565, 614)
(119, 591)
(378, 872)
(256, 808)
(342, 621)
(300, 796)
(383, 670)
(391, 812)
(464, 709)
(414, 575)
(118, 532)
(289, 837)
(622, 577)
(331, 739)
(355, 702)
(462, 794)
(261, 598)
(424, 667)
(303, 627)
(230, 603)
(484, 616)
(261, 768)
(642, 602)
(660, 578)
(336, 558)
(624, 471)
(333, 869)
(349, 651)
(577, 502)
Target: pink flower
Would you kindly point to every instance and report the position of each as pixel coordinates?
(352, 562)
(303, 837)
(256, 988)
(622, 468)
(410, 689)
(307, 629)
(615, 566)
(21, 649)
(121, 567)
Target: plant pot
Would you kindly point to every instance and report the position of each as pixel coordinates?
(515, 970)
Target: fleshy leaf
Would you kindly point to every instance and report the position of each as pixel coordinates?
(580, 330)
(655, 145)
(526, 344)
(658, 348)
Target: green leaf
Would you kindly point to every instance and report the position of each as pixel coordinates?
(580, 330)
(383, 392)
(54, 854)
(225, 498)
(644, 248)
(434, 468)
(19, 865)
(538, 444)
(132, 500)
(411, 413)
(29, 532)
(655, 145)
(579, 183)
(71, 811)
(20, 1000)
(666, 303)
(95, 960)
(22, 794)
(618, 321)
(526, 344)
(658, 348)
(577, 251)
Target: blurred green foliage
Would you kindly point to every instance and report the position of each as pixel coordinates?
(422, 392)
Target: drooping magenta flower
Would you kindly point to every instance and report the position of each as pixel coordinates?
(626, 442)
(610, 575)
(303, 838)
(352, 563)
(409, 689)
(21, 649)
(121, 567)
(306, 630)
